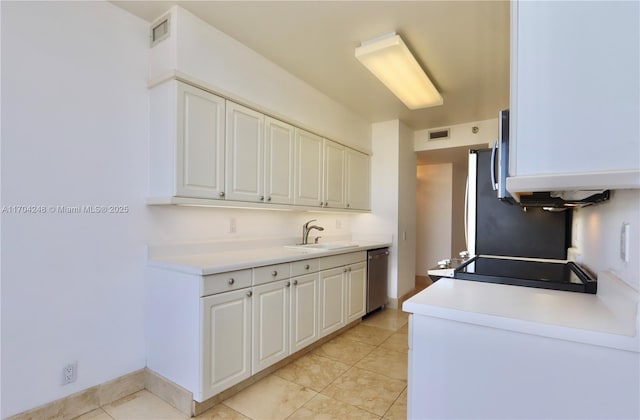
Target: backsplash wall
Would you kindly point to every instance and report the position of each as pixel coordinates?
(596, 233)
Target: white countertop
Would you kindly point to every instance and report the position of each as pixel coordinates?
(237, 259)
(609, 318)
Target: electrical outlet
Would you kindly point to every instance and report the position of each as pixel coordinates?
(69, 373)
(232, 225)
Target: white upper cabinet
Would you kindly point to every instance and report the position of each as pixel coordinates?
(206, 147)
(308, 169)
(245, 154)
(575, 96)
(279, 161)
(187, 142)
(333, 179)
(358, 180)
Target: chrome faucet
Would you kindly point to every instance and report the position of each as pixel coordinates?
(306, 229)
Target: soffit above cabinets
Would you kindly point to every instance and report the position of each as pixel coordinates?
(462, 45)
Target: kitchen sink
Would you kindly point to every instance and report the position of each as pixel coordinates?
(322, 247)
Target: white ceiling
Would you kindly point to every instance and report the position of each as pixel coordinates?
(463, 46)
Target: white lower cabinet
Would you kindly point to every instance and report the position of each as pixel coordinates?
(270, 325)
(332, 303)
(356, 287)
(342, 293)
(304, 311)
(208, 333)
(226, 340)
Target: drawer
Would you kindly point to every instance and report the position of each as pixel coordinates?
(342, 259)
(270, 273)
(300, 268)
(224, 282)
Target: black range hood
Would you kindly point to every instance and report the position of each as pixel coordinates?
(553, 200)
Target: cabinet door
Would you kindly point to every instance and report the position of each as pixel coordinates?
(575, 90)
(279, 165)
(244, 154)
(334, 180)
(308, 164)
(270, 324)
(200, 143)
(226, 340)
(356, 291)
(358, 180)
(304, 311)
(332, 303)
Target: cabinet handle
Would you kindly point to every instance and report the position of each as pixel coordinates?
(326, 203)
(295, 282)
(249, 293)
(321, 204)
(231, 281)
(348, 205)
(288, 284)
(221, 194)
(306, 267)
(274, 273)
(268, 198)
(344, 270)
(262, 198)
(349, 269)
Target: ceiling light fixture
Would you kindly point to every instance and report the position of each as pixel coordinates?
(389, 59)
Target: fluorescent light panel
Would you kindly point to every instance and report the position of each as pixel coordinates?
(389, 59)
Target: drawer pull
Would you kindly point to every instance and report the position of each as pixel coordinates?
(249, 293)
(306, 267)
(344, 270)
(295, 282)
(288, 284)
(274, 273)
(231, 281)
(349, 269)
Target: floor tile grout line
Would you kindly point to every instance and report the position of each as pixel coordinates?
(394, 401)
(349, 368)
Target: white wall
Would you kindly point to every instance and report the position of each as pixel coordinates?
(231, 69)
(76, 133)
(434, 215)
(596, 233)
(383, 218)
(406, 211)
(393, 205)
(459, 135)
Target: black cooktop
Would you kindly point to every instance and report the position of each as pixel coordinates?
(546, 275)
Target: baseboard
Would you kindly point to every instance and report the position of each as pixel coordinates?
(182, 400)
(97, 396)
(87, 400)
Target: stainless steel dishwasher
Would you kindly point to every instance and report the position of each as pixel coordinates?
(377, 263)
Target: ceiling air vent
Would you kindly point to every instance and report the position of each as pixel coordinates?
(439, 134)
(160, 30)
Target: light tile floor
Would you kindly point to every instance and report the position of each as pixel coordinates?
(361, 374)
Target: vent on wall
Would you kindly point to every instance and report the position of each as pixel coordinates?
(439, 134)
(160, 30)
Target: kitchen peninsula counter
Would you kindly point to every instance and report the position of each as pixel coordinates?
(484, 350)
(608, 318)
